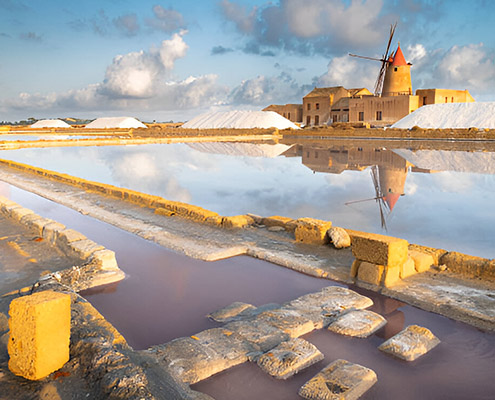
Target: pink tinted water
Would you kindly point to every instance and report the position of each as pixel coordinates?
(167, 295)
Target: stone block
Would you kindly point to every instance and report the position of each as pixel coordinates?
(338, 381)
(472, 266)
(105, 259)
(371, 273)
(407, 269)
(68, 236)
(422, 261)
(237, 221)
(435, 253)
(288, 358)
(230, 312)
(39, 334)
(35, 223)
(84, 249)
(355, 268)
(164, 212)
(339, 237)
(291, 322)
(379, 249)
(410, 343)
(391, 276)
(51, 231)
(17, 213)
(258, 333)
(276, 220)
(312, 231)
(358, 323)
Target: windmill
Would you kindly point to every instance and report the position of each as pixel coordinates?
(385, 60)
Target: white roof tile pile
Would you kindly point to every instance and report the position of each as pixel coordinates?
(240, 120)
(452, 115)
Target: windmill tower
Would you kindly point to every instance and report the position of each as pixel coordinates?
(394, 77)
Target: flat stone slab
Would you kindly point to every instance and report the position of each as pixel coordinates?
(230, 312)
(288, 358)
(358, 323)
(410, 343)
(291, 322)
(258, 333)
(338, 381)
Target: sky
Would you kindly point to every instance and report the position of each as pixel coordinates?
(172, 60)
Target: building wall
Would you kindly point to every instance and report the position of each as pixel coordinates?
(438, 96)
(397, 81)
(292, 112)
(316, 109)
(390, 109)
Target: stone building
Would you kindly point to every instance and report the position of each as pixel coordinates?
(293, 112)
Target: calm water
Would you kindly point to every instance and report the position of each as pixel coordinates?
(432, 197)
(167, 295)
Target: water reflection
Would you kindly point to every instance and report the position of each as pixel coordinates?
(437, 197)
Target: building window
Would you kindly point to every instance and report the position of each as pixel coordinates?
(395, 69)
(378, 115)
(316, 154)
(424, 100)
(335, 118)
(446, 100)
(317, 105)
(317, 120)
(307, 154)
(308, 120)
(452, 99)
(284, 115)
(309, 106)
(288, 116)
(345, 118)
(361, 116)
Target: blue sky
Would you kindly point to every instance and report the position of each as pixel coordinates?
(175, 59)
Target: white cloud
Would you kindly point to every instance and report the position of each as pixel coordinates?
(166, 20)
(243, 19)
(350, 73)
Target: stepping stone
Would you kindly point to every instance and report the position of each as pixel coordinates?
(338, 381)
(358, 323)
(230, 312)
(288, 358)
(258, 333)
(410, 343)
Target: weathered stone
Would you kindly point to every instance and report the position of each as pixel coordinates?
(358, 323)
(51, 231)
(229, 312)
(469, 265)
(276, 229)
(39, 334)
(202, 355)
(66, 237)
(391, 276)
(291, 322)
(355, 268)
(165, 212)
(370, 273)
(18, 212)
(410, 343)
(288, 358)
(422, 261)
(34, 223)
(379, 249)
(237, 221)
(261, 335)
(339, 237)
(312, 231)
(4, 323)
(338, 381)
(84, 248)
(276, 220)
(407, 269)
(105, 259)
(435, 253)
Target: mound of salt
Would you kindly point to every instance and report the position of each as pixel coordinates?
(452, 115)
(50, 123)
(240, 120)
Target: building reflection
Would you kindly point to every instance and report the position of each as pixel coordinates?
(388, 170)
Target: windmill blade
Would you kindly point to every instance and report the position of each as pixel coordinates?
(392, 32)
(367, 58)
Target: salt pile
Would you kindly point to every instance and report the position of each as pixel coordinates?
(458, 161)
(240, 120)
(452, 115)
(115, 122)
(50, 123)
(241, 149)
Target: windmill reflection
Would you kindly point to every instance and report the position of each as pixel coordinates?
(388, 170)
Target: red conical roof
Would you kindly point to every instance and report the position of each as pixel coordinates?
(391, 199)
(399, 59)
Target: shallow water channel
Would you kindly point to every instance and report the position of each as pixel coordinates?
(435, 197)
(167, 295)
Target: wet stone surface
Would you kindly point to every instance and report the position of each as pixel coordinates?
(338, 381)
(410, 343)
(358, 323)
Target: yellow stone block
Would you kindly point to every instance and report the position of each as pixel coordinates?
(275, 220)
(379, 249)
(237, 221)
(422, 261)
(391, 276)
(355, 268)
(164, 212)
(407, 269)
(313, 231)
(370, 273)
(39, 334)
